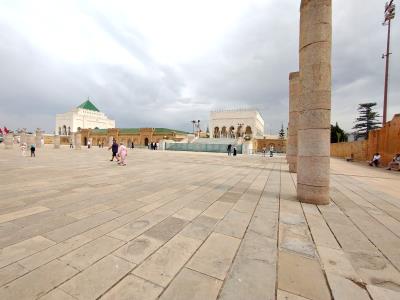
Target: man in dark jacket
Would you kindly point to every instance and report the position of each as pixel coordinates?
(114, 149)
(229, 149)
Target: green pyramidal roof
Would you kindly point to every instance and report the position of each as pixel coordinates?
(88, 105)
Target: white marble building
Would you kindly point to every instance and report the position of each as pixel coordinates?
(236, 124)
(85, 115)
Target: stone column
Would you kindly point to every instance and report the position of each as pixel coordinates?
(9, 141)
(294, 93)
(78, 141)
(57, 141)
(315, 101)
(38, 138)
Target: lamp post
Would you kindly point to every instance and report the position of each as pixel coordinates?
(389, 16)
(197, 125)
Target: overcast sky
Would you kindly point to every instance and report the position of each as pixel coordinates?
(164, 63)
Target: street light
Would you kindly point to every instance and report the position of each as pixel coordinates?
(389, 16)
(197, 125)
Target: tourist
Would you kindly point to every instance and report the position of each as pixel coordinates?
(395, 163)
(102, 144)
(229, 149)
(114, 149)
(375, 160)
(122, 153)
(234, 151)
(133, 146)
(88, 144)
(33, 149)
(264, 151)
(71, 145)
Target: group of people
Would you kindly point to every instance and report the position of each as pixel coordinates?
(271, 151)
(24, 147)
(119, 152)
(394, 163)
(231, 150)
(153, 146)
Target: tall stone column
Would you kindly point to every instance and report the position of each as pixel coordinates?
(315, 101)
(78, 141)
(57, 141)
(294, 94)
(9, 141)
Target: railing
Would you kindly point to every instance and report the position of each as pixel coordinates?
(216, 148)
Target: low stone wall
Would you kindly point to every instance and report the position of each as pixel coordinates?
(359, 149)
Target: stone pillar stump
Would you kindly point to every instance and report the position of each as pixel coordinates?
(57, 142)
(9, 141)
(294, 94)
(38, 139)
(315, 101)
(22, 138)
(78, 141)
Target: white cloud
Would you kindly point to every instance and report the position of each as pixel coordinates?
(164, 63)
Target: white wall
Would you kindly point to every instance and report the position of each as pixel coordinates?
(233, 118)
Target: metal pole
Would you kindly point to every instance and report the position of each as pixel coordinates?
(385, 98)
(390, 8)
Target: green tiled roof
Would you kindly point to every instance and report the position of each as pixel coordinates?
(129, 130)
(99, 131)
(88, 105)
(167, 130)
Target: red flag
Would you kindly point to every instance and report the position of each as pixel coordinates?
(6, 130)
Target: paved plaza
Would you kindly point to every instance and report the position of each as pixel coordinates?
(175, 225)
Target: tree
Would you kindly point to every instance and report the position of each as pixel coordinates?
(337, 134)
(282, 133)
(366, 121)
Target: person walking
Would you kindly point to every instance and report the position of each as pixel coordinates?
(114, 150)
(234, 151)
(88, 144)
(229, 149)
(122, 153)
(33, 149)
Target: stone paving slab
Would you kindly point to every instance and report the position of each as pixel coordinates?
(180, 225)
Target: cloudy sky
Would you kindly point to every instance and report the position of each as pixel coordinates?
(163, 63)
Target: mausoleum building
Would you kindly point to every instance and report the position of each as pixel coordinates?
(85, 116)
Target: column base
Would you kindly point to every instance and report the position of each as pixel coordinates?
(318, 195)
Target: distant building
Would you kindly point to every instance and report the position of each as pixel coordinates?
(236, 124)
(137, 136)
(84, 116)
